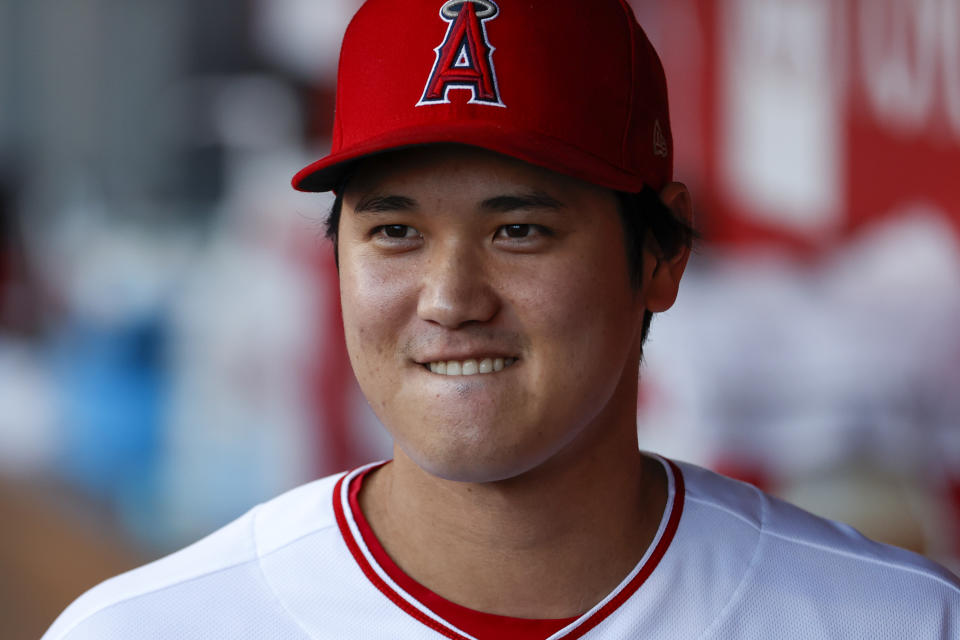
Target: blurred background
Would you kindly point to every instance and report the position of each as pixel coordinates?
(170, 342)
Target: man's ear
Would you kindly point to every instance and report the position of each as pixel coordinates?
(664, 281)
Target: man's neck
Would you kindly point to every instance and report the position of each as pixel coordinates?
(550, 543)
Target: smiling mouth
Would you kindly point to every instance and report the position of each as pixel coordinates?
(469, 367)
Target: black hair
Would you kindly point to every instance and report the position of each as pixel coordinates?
(648, 224)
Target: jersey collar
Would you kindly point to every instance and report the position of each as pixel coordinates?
(460, 623)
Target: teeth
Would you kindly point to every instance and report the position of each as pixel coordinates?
(470, 367)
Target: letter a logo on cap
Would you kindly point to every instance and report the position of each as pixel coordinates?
(465, 57)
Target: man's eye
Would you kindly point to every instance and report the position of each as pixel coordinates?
(522, 231)
(398, 231)
(516, 230)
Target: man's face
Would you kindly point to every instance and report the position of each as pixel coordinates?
(471, 259)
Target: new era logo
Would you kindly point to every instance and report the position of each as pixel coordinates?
(660, 147)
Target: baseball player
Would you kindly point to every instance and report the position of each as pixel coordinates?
(505, 225)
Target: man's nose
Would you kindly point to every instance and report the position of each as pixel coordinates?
(456, 289)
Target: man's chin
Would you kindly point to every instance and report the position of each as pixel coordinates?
(471, 467)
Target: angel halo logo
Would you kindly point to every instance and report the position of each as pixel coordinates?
(464, 60)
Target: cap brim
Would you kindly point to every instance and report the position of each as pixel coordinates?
(543, 151)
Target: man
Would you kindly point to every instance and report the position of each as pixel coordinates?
(505, 225)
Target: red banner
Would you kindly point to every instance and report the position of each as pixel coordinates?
(798, 122)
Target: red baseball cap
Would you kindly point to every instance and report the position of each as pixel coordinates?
(571, 86)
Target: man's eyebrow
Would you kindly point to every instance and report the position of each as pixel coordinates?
(531, 200)
(377, 203)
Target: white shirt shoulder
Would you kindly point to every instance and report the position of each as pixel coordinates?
(213, 588)
(814, 576)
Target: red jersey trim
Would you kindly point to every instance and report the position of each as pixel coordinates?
(390, 580)
(339, 500)
(470, 622)
(647, 565)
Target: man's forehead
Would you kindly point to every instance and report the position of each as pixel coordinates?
(441, 165)
(428, 160)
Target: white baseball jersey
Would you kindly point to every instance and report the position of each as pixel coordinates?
(728, 562)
